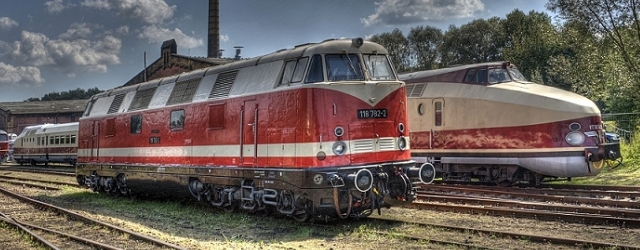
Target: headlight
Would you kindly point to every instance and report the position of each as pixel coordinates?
(574, 138)
(402, 143)
(338, 131)
(339, 148)
(401, 128)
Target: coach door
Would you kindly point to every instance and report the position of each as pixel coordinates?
(249, 133)
(95, 140)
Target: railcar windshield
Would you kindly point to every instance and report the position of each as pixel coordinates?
(378, 67)
(3, 137)
(498, 76)
(516, 75)
(344, 67)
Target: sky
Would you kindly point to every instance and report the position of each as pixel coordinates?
(61, 45)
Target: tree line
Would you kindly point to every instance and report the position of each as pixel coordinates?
(593, 48)
(76, 94)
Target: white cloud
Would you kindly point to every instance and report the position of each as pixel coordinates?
(10, 74)
(123, 30)
(70, 56)
(149, 11)
(79, 30)
(224, 38)
(395, 12)
(7, 23)
(155, 34)
(57, 6)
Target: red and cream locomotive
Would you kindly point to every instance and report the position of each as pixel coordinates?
(4, 145)
(487, 122)
(317, 130)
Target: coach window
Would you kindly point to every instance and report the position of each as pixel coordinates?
(136, 124)
(438, 112)
(471, 75)
(50, 140)
(315, 73)
(67, 139)
(177, 119)
(73, 139)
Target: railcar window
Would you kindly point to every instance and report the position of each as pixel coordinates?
(73, 139)
(315, 70)
(136, 124)
(471, 75)
(378, 67)
(177, 119)
(57, 140)
(481, 76)
(438, 112)
(67, 139)
(343, 67)
(50, 140)
(498, 76)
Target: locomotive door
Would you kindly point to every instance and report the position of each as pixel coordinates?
(95, 141)
(249, 133)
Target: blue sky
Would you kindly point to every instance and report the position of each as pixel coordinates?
(59, 45)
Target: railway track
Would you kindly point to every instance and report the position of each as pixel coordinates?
(58, 228)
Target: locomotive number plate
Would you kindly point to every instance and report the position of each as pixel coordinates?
(372, 113)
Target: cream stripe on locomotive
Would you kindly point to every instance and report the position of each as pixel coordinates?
(264, 150)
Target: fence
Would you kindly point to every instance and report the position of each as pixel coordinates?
(624, 124)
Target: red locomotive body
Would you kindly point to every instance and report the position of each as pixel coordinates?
(315, 130)
(487, 122)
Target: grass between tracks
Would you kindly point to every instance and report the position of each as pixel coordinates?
(627, 173)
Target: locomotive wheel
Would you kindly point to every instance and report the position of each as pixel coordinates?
(301, 216)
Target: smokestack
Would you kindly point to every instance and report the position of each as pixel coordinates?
(214, 29)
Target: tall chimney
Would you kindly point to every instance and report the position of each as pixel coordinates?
(214, 29)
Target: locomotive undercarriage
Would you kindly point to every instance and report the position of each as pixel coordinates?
(502, 175)
(303, 195)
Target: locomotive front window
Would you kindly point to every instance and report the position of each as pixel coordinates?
(294, 71)
(378, 67)
(315, 70)
(344, 68)
(3, 137)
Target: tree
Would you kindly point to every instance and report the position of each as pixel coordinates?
(478, 41)
(424, 43)
(530, 41)
(616, 23)
(397, 46)
(76, 94)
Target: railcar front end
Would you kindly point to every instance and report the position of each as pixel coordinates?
(317, 130)
(486, 122)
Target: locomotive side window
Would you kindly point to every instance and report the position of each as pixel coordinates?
(216, 116)
(343, 67)
(378, 67)
(136, 124)
(177, 119)
(294, 71)
(315, 70)
(438, 113)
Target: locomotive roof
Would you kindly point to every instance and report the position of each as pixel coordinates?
(44, 107)
(326, 46)
(450, 74)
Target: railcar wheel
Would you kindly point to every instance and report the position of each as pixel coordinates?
(33, 163)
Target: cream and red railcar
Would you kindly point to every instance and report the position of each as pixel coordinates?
(320, 129)
(487, 122)
(47, 143)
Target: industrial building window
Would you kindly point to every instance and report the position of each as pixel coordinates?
(111, 127)
(136, 124)
(438, 112)
(216, 116)
(177, 119)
